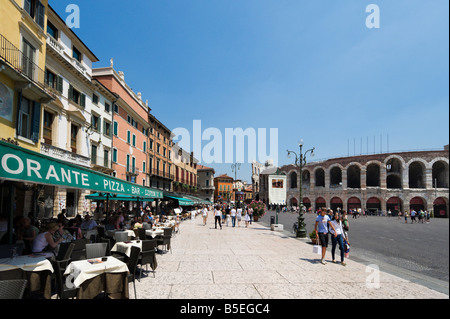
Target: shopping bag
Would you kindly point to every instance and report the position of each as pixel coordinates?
(346, 248)
(317, 249)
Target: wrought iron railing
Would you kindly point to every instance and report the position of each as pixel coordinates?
(20, 62)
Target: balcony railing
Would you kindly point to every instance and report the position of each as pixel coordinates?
(101, 161)
(64, 155)
(20, 62)
(160, 173)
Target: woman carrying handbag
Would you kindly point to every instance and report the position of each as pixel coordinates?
(337, 238)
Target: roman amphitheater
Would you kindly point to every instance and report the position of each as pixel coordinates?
(393, 181)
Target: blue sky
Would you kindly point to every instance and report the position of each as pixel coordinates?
(311, 68)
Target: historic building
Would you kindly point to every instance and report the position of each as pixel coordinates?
(223, 188)
(392, 181)
(205, 182)
(185, 177)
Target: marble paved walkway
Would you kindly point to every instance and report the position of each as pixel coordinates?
(257, 263)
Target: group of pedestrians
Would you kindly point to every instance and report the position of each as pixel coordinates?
(421, 216)
(230, 215)
(335, 225)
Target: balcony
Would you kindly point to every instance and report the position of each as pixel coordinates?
(23, 71)
(64, 155)
(162, 174)
(64, 57)
(101, 164)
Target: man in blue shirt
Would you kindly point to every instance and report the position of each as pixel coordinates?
(321, 228)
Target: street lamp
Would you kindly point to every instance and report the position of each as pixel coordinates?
(234, 168)
(300, 161)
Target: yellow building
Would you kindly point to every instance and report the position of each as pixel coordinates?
(23, 39)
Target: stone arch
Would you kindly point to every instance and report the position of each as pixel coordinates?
(373, 173)
(354, 202)
(335, 203)
(319, 176)
(417, 173)
(354, 175)
(440, 207)
(394, 166)
(320, 202)
(306, 178)
(292, 179)
(335, 173)
(417, 203)
(373, 204)
(440, 172)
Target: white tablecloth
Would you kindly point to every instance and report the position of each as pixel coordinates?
(125, 247)
(155, 232)
(112, 233)
(83, 270)
(27, 263)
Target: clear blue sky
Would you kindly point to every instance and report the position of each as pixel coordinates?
(311, 68)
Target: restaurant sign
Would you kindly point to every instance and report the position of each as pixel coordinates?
(17, 163)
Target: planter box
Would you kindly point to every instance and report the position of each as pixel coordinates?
(277, 227)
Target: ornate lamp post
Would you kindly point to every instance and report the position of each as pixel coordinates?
(234, 168)
(300, 161)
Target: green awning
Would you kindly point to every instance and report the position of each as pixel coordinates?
(181, 201)
(20, 164)
(128, 198)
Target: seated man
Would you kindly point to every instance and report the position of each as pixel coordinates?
(88, 223)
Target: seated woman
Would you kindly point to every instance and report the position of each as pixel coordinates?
(44, 241)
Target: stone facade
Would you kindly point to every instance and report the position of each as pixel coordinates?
(392, 181)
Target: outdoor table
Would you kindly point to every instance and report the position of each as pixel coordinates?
(112, 233)
(124, 247)
(154, 233)
(35, 268)
(88, 233)
(92, 276)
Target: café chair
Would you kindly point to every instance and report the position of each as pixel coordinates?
(96, 250)
(121, 236)
(64, 254)
(164, 240)
(12, 289)
(132, 265)
(6, 250)
(114, 254)
(79, 250)
(141, 233)
(62, 290)
(147, 256)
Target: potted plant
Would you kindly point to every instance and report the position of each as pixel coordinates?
(313, 236)
(259, 209)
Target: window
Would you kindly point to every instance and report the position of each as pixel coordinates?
(157, 148)
(151, 145)
(164, 151)
(116, 108)
(95, 99)
(94, 154)
(128, 137)
(106, 158)
(47, 131)
(77, 97)
(144, 166)
(207, 183)
(144, 147)
(116, 128)
(53, 81)
(128, 163)
(76, 54)
(95, 121)
(28, 59)
(134, 140)
(25, 115)
(107, 107)
(106, 128)
(133, 165)
(36, 10)
(114, 155)
(129, 119)
(73, 137)
(52, 30)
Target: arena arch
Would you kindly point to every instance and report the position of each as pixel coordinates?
(373, 205)
(416, 174)
(335, 172)
(440, 206)
(319, 174)
(394, 171)
(335, 203)
(440, 176)
(354, 176)
(373, 172)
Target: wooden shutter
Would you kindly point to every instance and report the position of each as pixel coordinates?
(83, 100)
(36, 121)
(70, 95)
(59, 84)
(27, 6)
(40, 14)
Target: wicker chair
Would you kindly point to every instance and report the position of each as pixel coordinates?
(132, 265)
(164, 240)
(148, 256)
(12, 289)
(62, 290)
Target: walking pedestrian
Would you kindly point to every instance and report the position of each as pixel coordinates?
(239, 216)
(421, 216)
(205, 214)
(250, 214)
(413, 216)
(233, 217)
(337, 238)
(345, 224)
(217, 217)
(406, 216)
(321, 228)
(427, 214)
(247, 218)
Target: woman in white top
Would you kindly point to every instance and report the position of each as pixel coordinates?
(239, 216)
(43, 240)
(246, 218)
(205, 215)
(218, 217)
(337, 237)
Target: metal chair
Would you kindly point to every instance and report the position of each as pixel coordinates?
(164, 240)
(62, 290)
(132, 265)
(121, 236)
(114, 254)
(79, 250)
(12, 289)
(6, 250)
(148, 256)
(64, 254)
(96, 250)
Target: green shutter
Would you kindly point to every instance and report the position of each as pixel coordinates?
(59, 84)
(70, 95)
(115, 127)
(36, 121)
(83, 101)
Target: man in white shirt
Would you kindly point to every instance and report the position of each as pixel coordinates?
(233, 216)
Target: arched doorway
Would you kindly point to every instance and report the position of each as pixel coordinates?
(417, 203)
(353, 203)
(395, 205)
(293, 202)
(440, 207)
(320, 202)
(336, 203)
(307, 203)
(373, 205)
